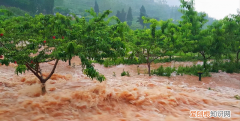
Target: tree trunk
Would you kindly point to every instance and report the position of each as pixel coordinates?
(69, 62)
(43, 81)
(148, 63)
(149, 70)
(43, 89)
(204, 60)
(238, 56)
(170, 58)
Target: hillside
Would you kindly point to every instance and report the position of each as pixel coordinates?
(158, 10)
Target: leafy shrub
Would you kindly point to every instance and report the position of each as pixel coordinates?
(193, 70)
(229, 67)
(138, 70)
(163, 72)
(128, 74)
(123, 73)
(159, 71)
(168, 71)
(237, 97)
(108, 63)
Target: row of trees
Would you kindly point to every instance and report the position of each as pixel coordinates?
(219, 39)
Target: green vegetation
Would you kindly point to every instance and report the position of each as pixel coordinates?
(65, 39)
(237, 97)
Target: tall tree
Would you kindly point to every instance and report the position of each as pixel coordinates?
(193, 37)
(231, 26)
(153, 42)
(123, 16)
(129, 16)
(118, 15)
(96, 7)
(142, 13)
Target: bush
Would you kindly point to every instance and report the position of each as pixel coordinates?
(229, 67)
(163, 72)
(106, 63)
(159, 71)
(128, 74)
(123, 73)
(168, 71)
(193, 70)
(138, 70)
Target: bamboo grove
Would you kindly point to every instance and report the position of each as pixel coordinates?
(29, 41)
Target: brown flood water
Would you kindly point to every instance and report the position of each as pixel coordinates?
(71, 96)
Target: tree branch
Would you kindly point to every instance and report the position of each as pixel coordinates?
(49, 76)
(35, 73)
(209, 57)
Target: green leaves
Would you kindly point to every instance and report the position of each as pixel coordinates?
(20, 69)
(5, 62)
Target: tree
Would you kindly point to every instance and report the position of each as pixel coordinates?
(98, 40)
(96, 7)
(231, 26)
(171, 38)
(129, 16)
(123, 16)
(142, 13)
(118, 14)
(22, 36)
(71, 51)
(22, 39)
(192, 36)
(151, 42)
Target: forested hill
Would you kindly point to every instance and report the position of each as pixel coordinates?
(153, 9)
(159, 9)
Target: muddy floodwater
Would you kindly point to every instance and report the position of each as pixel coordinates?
(72, 96)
